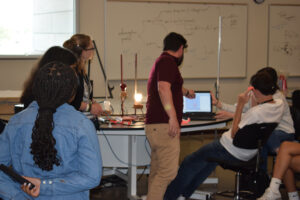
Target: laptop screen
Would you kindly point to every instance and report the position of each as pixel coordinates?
(201, 103)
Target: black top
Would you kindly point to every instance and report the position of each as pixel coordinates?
(79, 93)
(27, 98)
(2, 125)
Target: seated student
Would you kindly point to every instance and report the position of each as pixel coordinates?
(285, 129)
(287, 162)
(50, 143)
(54, 53)
(195, 169)
(82, 46)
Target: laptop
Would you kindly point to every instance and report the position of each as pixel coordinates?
(199, 108)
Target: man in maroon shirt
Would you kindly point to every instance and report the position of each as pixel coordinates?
(164, 114)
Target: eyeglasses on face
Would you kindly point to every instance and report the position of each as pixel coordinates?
(90, 49)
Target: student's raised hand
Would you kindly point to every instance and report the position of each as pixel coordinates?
(244, 97)
(253, 100)
(34, 192)
(222, 114)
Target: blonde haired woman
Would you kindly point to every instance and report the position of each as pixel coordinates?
(82, 46)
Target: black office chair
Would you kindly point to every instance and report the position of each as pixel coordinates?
(252, 136)
(295, 112)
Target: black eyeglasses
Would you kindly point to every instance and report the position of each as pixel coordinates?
(90, 49)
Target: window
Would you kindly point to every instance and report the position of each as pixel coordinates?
(29, 27)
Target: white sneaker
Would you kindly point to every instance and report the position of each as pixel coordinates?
(270, 195)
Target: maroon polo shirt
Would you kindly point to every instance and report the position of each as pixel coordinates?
(166, 69)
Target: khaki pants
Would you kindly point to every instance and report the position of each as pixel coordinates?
(165, 152)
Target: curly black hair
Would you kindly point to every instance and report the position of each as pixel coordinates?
(55, 84)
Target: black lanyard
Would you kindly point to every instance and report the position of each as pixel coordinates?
(267, 101)
(87, 81)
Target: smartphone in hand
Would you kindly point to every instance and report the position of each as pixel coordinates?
(15, 176)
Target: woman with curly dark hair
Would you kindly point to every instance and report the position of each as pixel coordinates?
(50, 143)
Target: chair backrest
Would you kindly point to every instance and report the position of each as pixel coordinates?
(249, 136)
(295, 112)
(296, 119)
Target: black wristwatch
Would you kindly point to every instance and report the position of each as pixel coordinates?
(187, 93)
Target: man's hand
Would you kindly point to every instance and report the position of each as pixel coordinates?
(34, 192)
(174, 128)
(190, 94)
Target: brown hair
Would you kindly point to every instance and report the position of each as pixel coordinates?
(77, 43)
(54, 53)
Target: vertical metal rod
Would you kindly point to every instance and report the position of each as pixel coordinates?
(122, 87)
(135, 75)
(219, 57)
(103, 72)
(106, 81)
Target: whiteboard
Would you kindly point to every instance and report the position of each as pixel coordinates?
(284, 38)
(140, 27)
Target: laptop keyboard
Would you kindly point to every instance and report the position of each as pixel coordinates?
(200, 116)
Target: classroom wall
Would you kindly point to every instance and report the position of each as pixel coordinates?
(91, 21)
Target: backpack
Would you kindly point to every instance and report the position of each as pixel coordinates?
(255, 182)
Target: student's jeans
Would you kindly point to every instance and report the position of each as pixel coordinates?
(195, 169)
(273, 143)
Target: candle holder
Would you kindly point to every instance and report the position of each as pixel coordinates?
(123, 86)
(138, 106)
(137, 96)
(123, 96)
